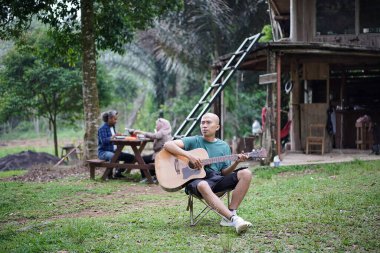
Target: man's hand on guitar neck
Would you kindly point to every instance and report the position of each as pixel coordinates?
(241, 158)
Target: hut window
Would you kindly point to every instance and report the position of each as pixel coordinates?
(369, 16)
(335, 17)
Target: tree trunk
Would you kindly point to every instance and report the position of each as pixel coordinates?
(90, 90)
(54, 124)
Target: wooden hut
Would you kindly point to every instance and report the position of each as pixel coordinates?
(330, 50)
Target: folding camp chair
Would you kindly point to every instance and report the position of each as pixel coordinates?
(190, 206)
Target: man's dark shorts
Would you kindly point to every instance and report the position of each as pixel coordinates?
(216, 181)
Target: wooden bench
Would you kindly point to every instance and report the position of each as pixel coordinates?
(97, 163)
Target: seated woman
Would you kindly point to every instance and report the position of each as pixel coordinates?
(105, 148)
(162, 135)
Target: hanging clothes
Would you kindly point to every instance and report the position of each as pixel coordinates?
(331, 121)
(263, 117)
(285, 130)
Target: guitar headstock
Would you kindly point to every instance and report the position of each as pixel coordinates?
(258, 154)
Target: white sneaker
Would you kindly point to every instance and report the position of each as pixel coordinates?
(237, 222)
(144, 181)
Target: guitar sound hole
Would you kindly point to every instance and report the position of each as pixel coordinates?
(191, 165)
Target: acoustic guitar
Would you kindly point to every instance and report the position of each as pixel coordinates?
(173, 172)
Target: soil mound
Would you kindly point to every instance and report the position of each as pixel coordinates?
(48, 173)
(26, 160)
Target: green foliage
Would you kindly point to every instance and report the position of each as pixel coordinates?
(299, 210)
(36, 84)
(147, 116)
(115, 22)
(244, 99)
(36, 81)
(267, 34)
(187, 47)
(169, 62)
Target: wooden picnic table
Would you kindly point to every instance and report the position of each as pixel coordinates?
(137, 146)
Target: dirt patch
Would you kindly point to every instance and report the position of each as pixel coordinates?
(130, 206)
(48, 173)
(26, 160)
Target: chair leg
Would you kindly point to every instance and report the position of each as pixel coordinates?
(201, 214)
(307, 148)
(190, 207)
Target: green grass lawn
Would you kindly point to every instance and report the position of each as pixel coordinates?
(301, 208)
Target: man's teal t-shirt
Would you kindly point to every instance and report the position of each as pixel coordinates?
(214, 149)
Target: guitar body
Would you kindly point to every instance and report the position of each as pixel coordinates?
(173, 172)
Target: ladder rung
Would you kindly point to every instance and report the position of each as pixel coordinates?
(191, 119)
(179, 136)
(255, 36)
(216, 85)
(240, 52)
(229, 67)
(203, 102)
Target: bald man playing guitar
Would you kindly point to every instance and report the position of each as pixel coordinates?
(220, 176)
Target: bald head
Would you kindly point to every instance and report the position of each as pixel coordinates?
(212, 116)
(209, 125)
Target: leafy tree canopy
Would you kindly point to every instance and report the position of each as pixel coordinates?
(33, 70)
(115, 21)
(35, 83)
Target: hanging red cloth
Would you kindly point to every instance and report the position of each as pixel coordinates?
(263, 117)
(285, 130)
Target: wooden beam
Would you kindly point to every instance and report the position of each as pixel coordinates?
(253, 63)
(281, 17)
(268, 78)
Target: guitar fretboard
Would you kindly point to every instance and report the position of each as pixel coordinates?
(220, 159)
(254, 154)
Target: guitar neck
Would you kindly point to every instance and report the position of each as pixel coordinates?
(220, 159)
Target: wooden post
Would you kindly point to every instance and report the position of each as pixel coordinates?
(295, 136)
(218, 105)
(293, 20)
(92, 171)
(278, 114)
(269, 123)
